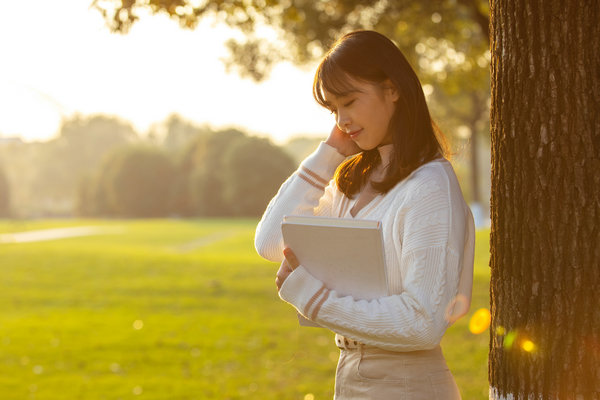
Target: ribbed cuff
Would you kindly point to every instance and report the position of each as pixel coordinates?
(301, 289)
(324, 161)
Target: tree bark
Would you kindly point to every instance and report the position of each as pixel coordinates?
(545, 201)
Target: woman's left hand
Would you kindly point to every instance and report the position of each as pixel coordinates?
(289, 264)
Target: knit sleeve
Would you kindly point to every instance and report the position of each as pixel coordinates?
(308, 191)
(413, 319)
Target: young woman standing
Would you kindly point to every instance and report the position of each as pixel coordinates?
(383, 160)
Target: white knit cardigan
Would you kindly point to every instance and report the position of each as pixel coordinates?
(428, 234)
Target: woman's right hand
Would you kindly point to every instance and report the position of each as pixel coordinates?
(342, 142)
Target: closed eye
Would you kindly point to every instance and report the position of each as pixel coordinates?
(348, 104)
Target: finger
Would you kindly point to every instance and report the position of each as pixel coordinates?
(281, 277)
(284, 273)
(291, 258)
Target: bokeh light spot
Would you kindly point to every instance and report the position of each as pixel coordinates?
(138, 324)
(115, 368)
(509, 339)
(195, 352)
(500, 331)
(528, 346)
(480, 321)
(138, 390)
(309, 396)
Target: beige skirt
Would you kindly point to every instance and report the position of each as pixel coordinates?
(367, 372)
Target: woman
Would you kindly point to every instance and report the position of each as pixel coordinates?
(398, 175)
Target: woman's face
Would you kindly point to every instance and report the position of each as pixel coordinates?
(364, 111)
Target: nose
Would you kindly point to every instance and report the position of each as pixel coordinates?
(343, 121)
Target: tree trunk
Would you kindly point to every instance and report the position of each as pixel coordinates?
(545, 201)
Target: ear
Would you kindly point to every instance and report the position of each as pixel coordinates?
(390, 90)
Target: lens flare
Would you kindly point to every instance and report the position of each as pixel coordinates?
(480, 321)
(528, 346)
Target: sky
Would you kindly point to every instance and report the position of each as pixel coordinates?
(59, 59)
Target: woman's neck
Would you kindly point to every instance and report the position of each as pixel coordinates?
(385, 152)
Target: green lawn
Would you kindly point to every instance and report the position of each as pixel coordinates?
(173, 309)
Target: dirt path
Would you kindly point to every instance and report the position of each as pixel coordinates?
(205, 241)
(57, 233)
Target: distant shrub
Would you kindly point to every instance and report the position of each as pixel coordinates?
(254, 170)
(206, 180)
(132, 182)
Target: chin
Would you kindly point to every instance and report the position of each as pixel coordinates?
(366, 146)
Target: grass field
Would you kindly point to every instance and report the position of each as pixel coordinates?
(173, 309)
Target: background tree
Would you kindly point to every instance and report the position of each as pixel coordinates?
(20, 161)
(183, 140)
(76, 152)
(545, 331)
(137, 182)
(92, 198)
(254, 170)
(206, 179)
(178, 133)
(4, 195)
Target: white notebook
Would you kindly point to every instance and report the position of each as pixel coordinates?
(345, 254)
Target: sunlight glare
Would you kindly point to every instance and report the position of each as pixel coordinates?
(87, 75)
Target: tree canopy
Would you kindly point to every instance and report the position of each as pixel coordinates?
(306, 29)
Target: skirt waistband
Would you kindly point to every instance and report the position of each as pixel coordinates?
(348, 344)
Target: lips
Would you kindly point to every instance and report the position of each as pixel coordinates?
(355, 133)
